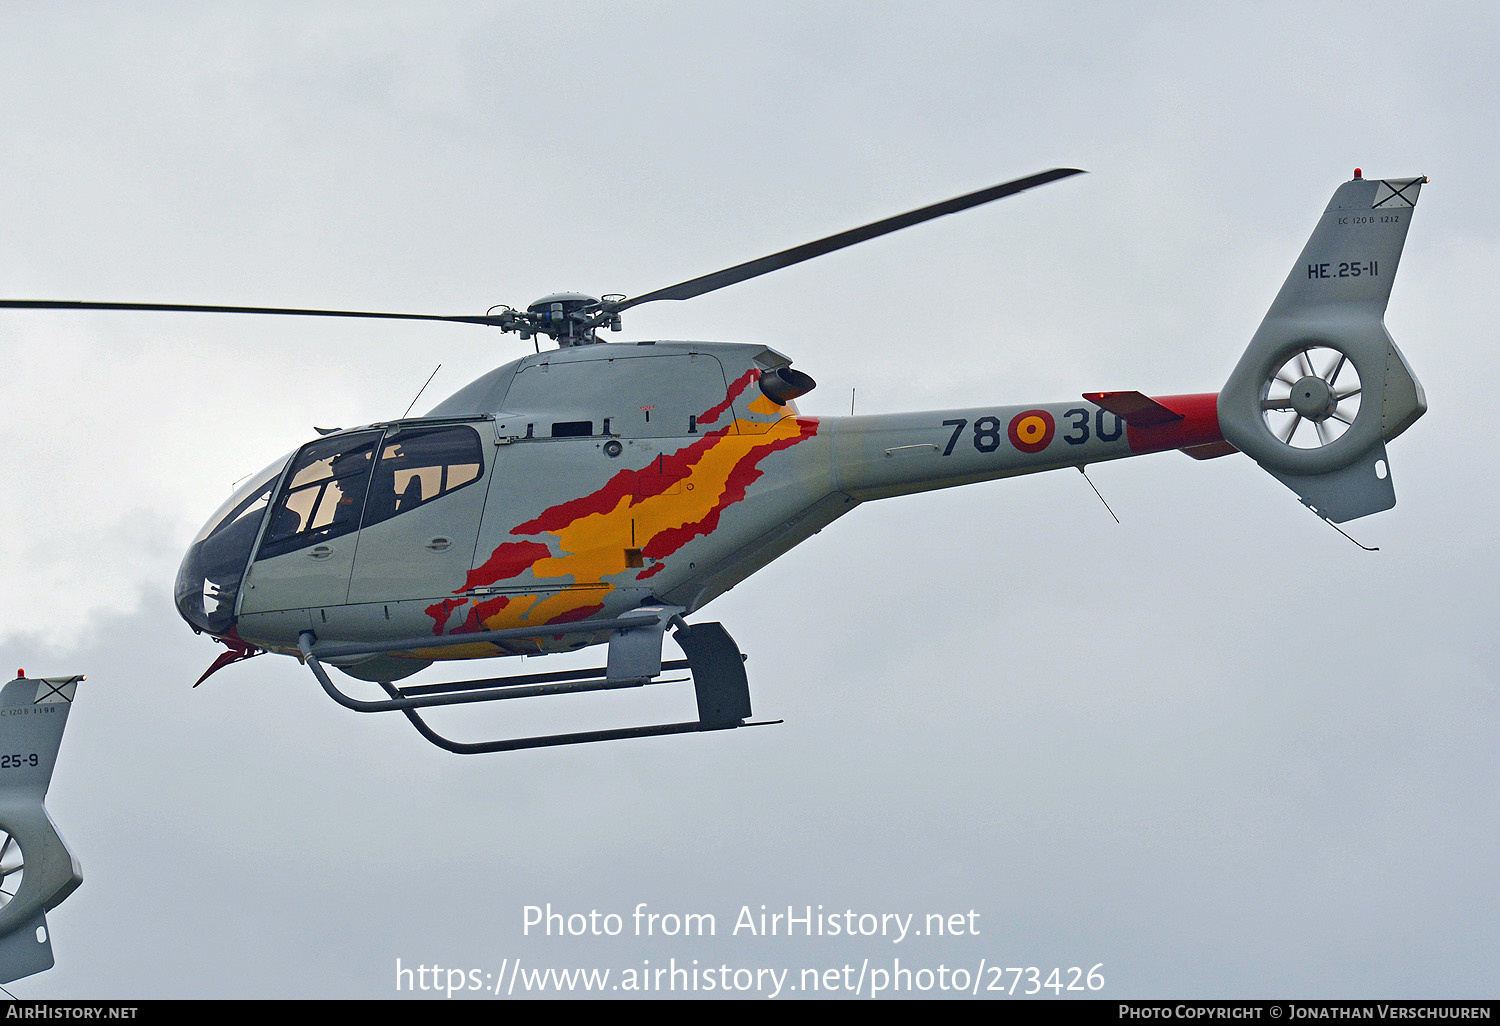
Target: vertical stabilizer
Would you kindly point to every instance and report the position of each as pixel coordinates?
(37, 871)
(1322, 387)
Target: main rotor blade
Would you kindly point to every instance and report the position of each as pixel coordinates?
(55, 304)
(797, 254)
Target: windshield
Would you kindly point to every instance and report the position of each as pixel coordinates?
(209, 579)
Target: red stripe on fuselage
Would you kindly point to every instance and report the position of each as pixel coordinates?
(1199, 424)
(575, 615)
(711, 414)
(653, 479)
(745, 473)
(479, 612)
(506, 561)
(439, 612)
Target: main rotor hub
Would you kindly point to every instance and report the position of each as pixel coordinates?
(569, 318)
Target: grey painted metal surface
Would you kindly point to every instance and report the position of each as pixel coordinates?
(1332, 305)
(611, 478)
(37, 871)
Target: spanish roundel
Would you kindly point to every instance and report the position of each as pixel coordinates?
(1030, 431)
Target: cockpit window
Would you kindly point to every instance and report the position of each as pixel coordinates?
(323, 495)
(420, 465)
(247, 500)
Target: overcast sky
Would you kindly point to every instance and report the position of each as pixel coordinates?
(1215, 748)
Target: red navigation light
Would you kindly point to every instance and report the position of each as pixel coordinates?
(1358, 174)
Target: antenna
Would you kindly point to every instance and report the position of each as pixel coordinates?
(1082, 470)
(422, 389)
(1346, 534)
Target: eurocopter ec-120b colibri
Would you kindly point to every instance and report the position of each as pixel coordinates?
(603, 493)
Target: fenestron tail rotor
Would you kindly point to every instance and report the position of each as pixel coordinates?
(12, 866)
(572, 318)
(37, 871)
(1312, 398)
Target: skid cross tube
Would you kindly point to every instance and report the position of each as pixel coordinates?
(717, 666)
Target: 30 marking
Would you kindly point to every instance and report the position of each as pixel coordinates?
(1106, 430)
(1032, 430)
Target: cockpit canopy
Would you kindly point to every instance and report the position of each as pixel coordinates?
(209, 579)
(328, 488)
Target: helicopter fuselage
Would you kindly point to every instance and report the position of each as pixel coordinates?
(602, 493)
(586, 482)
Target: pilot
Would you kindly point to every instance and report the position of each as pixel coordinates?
(351, 474)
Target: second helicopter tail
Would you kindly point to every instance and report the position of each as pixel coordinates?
(37, 871)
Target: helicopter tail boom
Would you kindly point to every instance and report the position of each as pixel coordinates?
(1322, 387)
(897, 454)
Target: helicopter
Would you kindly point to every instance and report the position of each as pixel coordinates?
(600, 493)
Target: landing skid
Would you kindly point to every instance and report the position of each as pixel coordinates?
(716, 665)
